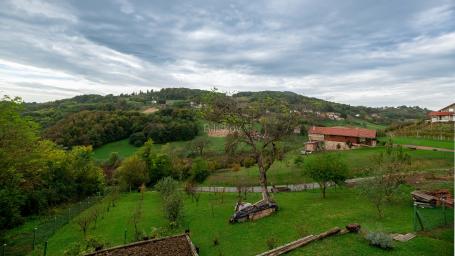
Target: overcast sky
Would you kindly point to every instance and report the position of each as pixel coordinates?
(372, 53)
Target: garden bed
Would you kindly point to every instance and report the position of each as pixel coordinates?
(179, 245)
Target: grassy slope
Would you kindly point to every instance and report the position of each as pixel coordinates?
(122, 147)
(423, 142)
(301, 213)
(285, 172)
(354, 122)
(125, 149)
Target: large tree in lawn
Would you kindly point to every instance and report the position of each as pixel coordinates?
(260, 124)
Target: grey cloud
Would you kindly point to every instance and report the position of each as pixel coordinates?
(344, 50)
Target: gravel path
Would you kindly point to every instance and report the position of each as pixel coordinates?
(428, 148)
(258, 189)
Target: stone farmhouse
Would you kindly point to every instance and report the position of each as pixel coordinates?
(339, 138)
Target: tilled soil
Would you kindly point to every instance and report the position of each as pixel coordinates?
(173, 246)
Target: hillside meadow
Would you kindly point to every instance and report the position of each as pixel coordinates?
(300, 214)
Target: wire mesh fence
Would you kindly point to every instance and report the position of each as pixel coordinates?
(24, 242)
(432, 217)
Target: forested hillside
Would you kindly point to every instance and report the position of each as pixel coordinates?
(50, 112)
(96, 120)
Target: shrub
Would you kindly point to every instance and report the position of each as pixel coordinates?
(173, 208)
(271, 242)
(216, 241)
(95, 243)
(299, 160)
(248, 161)
(75, 249)
(199, 170)
(166, 186)
(235, 167)
(380, 239)
(137, 139)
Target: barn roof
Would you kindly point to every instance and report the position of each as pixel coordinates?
(443, 113)
(343, 131)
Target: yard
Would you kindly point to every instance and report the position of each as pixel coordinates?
(300, 214)
(359, 160)
(423, 142)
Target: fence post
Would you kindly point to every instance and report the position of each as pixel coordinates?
(3, 249)
(414, 216)
(124, 237)
(444, 211)
(45, 249)
(34, 237)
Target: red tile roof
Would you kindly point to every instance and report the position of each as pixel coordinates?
(444, 113)
(343, 131)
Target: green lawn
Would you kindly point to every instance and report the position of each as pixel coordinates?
(359, 160)
(125, 149)
(122, 147)
(354, 122)
(423, 142)
(301, 213)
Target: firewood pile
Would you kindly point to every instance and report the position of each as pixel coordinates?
(442, 195)
(433, 198)
(246, 211)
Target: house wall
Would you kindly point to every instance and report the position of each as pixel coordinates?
(316, 137)
(450, 108)
(310, 147)
(333, 145)
(436, 119)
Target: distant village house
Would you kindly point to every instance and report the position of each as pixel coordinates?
(339, 138)
(446, 114)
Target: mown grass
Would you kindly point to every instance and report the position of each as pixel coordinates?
(300, 214)
(124, 149)
(354, 122)
(423, 142)
(358, 160)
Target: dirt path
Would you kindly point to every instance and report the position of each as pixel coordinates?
(427, 148)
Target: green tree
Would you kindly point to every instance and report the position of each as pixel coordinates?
(200, 144)
(259, 125)
(161, 167)
(132, 172)
(36, 173)
(88, 176)
(387, 175)
(326, 168)
(199, 170)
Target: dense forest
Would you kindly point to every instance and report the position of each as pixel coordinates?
(97, 128)
(36, 173)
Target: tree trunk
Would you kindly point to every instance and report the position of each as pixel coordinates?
(322, 184)
(263, 180)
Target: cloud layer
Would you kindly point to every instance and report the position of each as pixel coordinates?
(357, 52)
